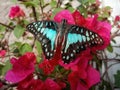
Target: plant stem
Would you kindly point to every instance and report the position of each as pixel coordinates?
(6, 26)
(34, 13)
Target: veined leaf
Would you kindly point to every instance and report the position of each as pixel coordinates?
(25, 48)
(110, 48)
(6, 67)
(18, 31)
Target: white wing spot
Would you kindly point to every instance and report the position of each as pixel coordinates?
(48, 53)
(63, 57)
(51, 54)
(45, 45)
(67, 58)
(74, 51)
(46, 50)
(71, 54)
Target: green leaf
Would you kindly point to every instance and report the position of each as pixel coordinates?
(117, 79)
(83, 1)
(25, 48)
(108, 8)
(53, 3)
(2, 28)
(14, 1)
(6, 67)
(110, 48)
(1, 36)
(42, 2)
(18, 31)
(1, 67)
(92, 1)
(16, 45)
(39, 59)
(113, 40)
(71, 9)
(38, 47)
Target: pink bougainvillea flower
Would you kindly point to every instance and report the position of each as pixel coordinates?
(79, 83)
(21, 68)
(30, 83)
(64, 14)
(61, 84)
(48, 65)
(16, 11)
(36, 84)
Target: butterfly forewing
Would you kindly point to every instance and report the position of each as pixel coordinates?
(46, 33)
(77, 40)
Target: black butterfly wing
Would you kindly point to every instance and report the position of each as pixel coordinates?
(77, 40)
(45, 32)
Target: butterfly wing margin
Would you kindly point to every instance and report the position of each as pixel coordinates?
(77, 40)
(45, 32)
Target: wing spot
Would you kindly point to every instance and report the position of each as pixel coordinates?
(40, 38)
(48, 53)
(71, 54)
(31, 25)
(45, 45)
(63, 57)
(42, 44)
(46, 50)
(74, 51)
(67, 58)
(51, 54)
(38, 35)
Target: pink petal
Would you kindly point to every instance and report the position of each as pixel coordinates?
(51, 85)
(92, 79)
(2, 53)
(64, 14)
(16, 11)
(80, 86)
(79, 19)
(22, 67)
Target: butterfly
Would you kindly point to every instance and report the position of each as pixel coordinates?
(72, 38)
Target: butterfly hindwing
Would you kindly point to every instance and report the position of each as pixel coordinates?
(77, 40)
(46, 33)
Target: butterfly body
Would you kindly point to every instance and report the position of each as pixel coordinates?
(73, 39)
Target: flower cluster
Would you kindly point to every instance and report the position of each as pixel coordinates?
(81, 75)
(16, 11)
